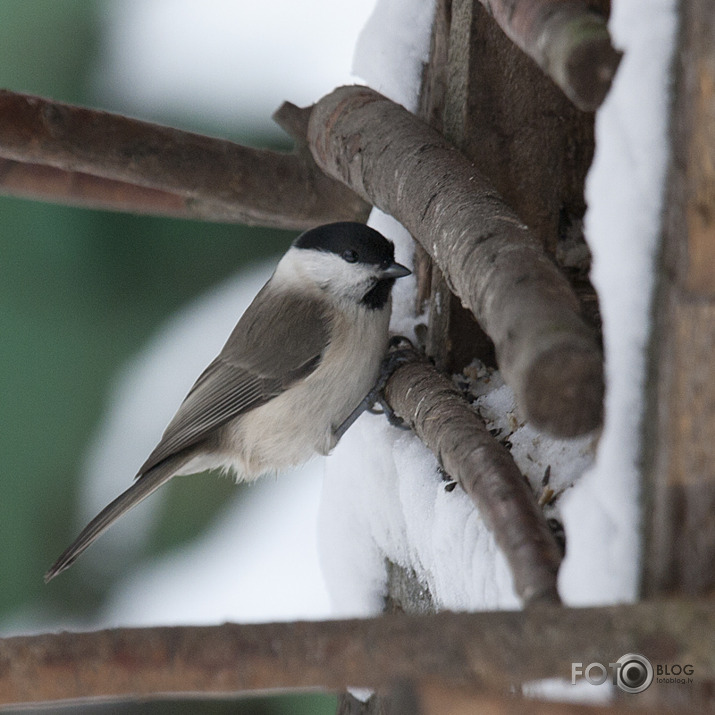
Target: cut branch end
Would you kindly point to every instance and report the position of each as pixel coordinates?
(582, 60)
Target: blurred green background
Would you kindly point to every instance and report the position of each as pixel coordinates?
(80, 292)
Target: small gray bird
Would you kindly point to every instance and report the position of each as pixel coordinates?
(291, 377)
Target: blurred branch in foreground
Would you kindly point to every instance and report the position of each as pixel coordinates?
(488, 651)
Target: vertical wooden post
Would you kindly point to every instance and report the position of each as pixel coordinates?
(679, 516)
(679, 428)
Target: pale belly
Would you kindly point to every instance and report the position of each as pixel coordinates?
(301, 422)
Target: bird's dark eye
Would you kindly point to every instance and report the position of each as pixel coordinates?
(350, 256)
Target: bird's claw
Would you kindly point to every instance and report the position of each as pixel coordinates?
(400, 351)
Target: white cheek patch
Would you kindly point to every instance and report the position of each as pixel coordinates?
(326, 270)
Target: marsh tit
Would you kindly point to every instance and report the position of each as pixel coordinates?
(291, 376)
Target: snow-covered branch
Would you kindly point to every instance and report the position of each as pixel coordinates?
(489, 651)
(491, 261)
(82, 156)
(568, 40)
(444, 421)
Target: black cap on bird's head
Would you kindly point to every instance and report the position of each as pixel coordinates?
(354, 243)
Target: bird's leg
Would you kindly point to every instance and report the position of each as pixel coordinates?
(395, 357)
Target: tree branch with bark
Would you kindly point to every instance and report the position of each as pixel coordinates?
(84, 156)
(491, 652)
(445, 422)
(546, 352)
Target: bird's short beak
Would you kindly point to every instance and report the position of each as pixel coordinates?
(395, 270)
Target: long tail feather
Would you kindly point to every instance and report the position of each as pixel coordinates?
(145, 485)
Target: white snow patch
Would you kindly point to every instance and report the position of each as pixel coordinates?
(393, 48)
(384, 498)
(562, 690)
(624, 194)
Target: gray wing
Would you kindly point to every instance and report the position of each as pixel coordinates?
(279, 340)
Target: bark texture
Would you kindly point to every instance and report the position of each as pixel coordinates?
(680, 439)
(191, 175)
(534, 146)
(489, 258)
(488, 651)
(484, 468)
(568, 39)
(503, 113)
(454, 338)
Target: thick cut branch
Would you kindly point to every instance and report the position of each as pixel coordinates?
(568, 39)
(445, 422)
(491, 651)
(546, 352)
(199, 177)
